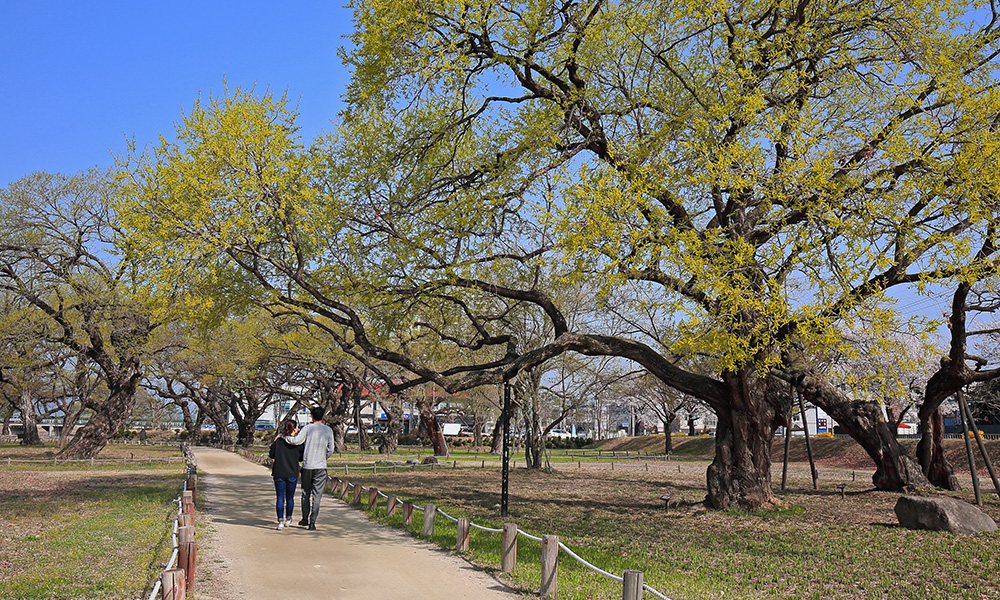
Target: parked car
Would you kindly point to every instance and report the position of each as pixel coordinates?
(560, 433)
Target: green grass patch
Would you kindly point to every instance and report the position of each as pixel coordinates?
(90, 533)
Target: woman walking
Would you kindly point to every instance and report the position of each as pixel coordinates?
(285, 472)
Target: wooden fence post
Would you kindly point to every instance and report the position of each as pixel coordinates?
(185, 534)
(344, 485)
(550, 566)
(632, 585)
(185, 520)
(372, 498)
(358, 489)
(462, 537)
(172, 584)
(187, 560)
(429, 510)
(508, 551)
(390, 506)
(407, 513)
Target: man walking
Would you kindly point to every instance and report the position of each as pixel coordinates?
(318, 440)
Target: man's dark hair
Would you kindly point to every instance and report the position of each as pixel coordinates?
(317, 413)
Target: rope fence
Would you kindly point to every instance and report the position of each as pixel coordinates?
(178, 575)
(631, 580)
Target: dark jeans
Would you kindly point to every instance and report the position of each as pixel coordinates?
(284, 489)
(313, 482)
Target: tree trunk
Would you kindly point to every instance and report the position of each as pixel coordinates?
(496, 441)
(930, 451)
(108, 416)
(394, 428)
(28, 418)
(668, 442)
(865, 422)
(429, 420)
(533, 439)
(741, 472)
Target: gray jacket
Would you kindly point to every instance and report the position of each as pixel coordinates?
(318, 440)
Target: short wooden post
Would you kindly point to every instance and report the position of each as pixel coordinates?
(185, 534)
(429, 510)
(172, 585)
(390, 505)
(462, 536)
(372, 498)
(407, 513)
(550, 566)
(185, 520)
(187, 560)
(632, 585)
(508, 551)
(357, 494)
(344, 485)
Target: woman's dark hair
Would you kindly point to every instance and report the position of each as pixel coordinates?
(287, 427)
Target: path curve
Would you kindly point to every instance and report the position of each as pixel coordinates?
(348, 556)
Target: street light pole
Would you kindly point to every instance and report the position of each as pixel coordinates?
(505, 476)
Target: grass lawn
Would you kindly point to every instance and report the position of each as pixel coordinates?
(821, 547)
(80, 531)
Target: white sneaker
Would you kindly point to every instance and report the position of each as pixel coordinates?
(288, 522)
(280, 525)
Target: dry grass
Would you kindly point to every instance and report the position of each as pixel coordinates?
(823, 547)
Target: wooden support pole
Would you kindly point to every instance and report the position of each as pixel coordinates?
(550, 566)
(982, 446)
(968, 447)
(407, 513)
(462, 535)
(185, 520)
(372, 498)
(508, 552)
(788, 439)
(172, 585)
(187, 560)
(429, 511)
(357, 494)
(809, 450)
(390, 505)
(344, 486)
(632, 585)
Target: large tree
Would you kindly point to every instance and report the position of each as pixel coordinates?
(760, 172)
(57, 236)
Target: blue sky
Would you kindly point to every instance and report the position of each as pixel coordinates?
(80, 77)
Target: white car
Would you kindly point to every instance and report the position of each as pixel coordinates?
(560, 433)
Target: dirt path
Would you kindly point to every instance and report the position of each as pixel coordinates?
(347, 557)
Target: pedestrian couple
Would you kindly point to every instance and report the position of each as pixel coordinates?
(311, 446)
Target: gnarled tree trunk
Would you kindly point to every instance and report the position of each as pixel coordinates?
(930, 450)
(28, 418)
(740, 474)
(108, 416)
(394, 428)
(429, 420)
(865, 422)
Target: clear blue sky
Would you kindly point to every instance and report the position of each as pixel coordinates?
(77, 78)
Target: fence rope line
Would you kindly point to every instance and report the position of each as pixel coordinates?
(527, 535)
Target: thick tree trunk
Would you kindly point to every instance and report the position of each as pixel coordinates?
(108, 416)
(28, 418)
(930, 451)
(429, 420)
(394, 428)
(496, 441)
(865, 422)
(740, 475)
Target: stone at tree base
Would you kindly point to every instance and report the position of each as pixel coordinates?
(942, 514)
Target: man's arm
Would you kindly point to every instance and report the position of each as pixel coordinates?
(299, 437)
(329, 443)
